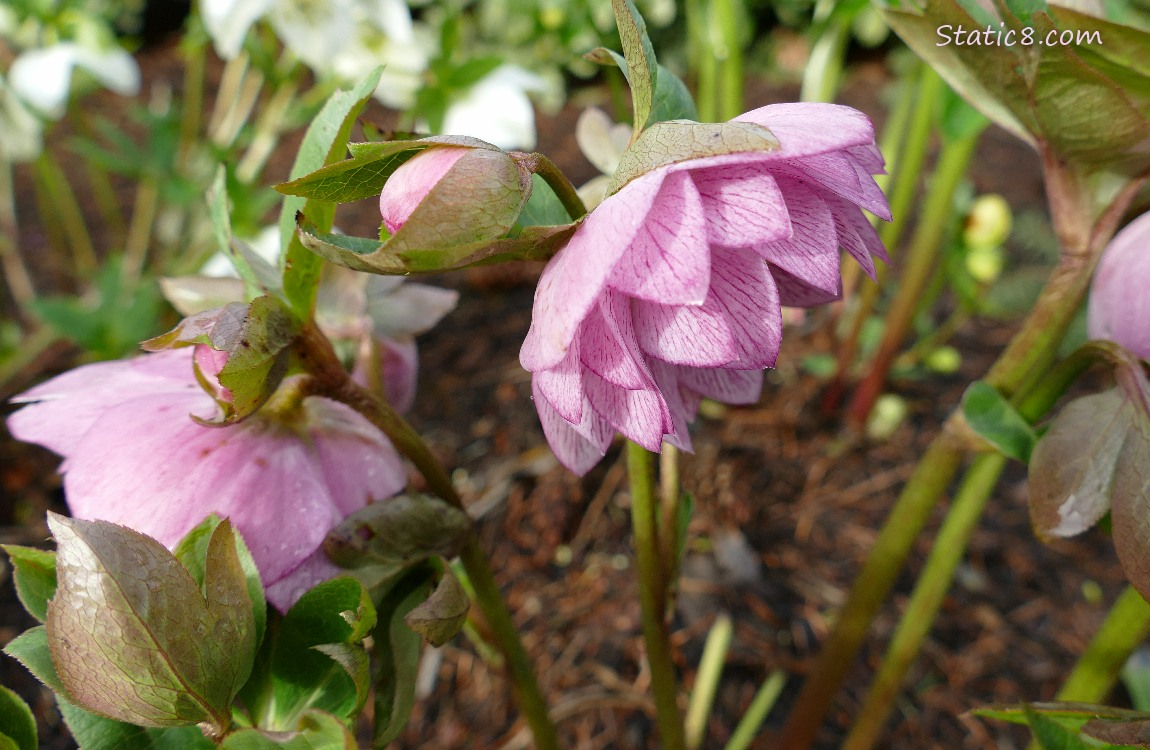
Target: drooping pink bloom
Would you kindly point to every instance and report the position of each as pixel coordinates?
(133, 455)
(1119, 307)
(671, 289)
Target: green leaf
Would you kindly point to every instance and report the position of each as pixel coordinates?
(30, 648)
(324, 143)
(997, 422)
(544, 207)
(256, 273)
(16, 721)
(132, 636)
(673, 142)
(316, 730)
(1072, 467)
(34, 573)
(1063, 711)
(192, 552)
(397, 650)
(1088, 102)
(673, 101)
(356, 178)
(391, 536)
(642, 70)
(92, 732)
(299, 670)
(442, 615)
(1051, 735)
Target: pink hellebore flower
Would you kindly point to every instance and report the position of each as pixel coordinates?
(1119, 307)
(670, 290)
(133, 455)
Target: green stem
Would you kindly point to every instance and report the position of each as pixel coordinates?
(653, 596)
(757, 712)
(554, 177)
(929, 591)
(65, 211)
(707, 680)
(11, 261)
(904, 183)
(825, 66)
(706, 65)
(730, 59)
(670, 496)
(140, 231)
(1126, 626)
(925, 249)
(333, 381)
(930, 479)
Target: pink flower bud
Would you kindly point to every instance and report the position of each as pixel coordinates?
(410, 184)
(1119, 308)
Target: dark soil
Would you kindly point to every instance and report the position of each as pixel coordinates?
(787, 508)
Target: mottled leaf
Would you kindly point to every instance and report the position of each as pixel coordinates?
(396, 656)
(1089, 101)
(324, 143)
(132, 636)
(997, 422)
(215, 328)
(680, 140)
(34, 573)
(1072, 466)
(16, 721)
(442, 615)
(192, 552)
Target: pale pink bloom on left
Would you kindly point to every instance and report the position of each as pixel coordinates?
(133, 455)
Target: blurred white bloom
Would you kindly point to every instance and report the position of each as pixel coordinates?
(346, 39)
(497, 109)
(43, 77)
(266, 245)
(22, 138)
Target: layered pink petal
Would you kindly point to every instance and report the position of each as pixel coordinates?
(609, 346)
(795, 292)
(574, 279)
(641, 415)
(843, 177)
(668, 259)
(695, 336)
(562, 386)
(576, 449)
(811, 253)
(743, 205)
(809, 128)
(728, 386)
(745, 292)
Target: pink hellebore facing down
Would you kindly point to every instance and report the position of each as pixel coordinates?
(133, 455)
(1119, 307)
(670, 290)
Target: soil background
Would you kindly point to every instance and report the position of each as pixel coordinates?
(787, 507)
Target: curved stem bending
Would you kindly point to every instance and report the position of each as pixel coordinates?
(332, 381)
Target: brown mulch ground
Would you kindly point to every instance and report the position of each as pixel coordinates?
(787, 508)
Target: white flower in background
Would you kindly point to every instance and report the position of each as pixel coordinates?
(346, 39)
(23, 132)
(497, 109)
(603, 142)
(266, 245)
(43, 77)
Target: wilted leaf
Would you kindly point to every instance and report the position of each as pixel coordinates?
(997, 422)
(1136, 732)
(16, 721)
(679, 140)
(1072, 467)
(34, 573)
(393, 535)
(214, 328)
(443, 614)
(324, 143)
(133, 638)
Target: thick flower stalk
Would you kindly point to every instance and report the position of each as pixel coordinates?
(1119, 308)
(670, 290)
(135, 454)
